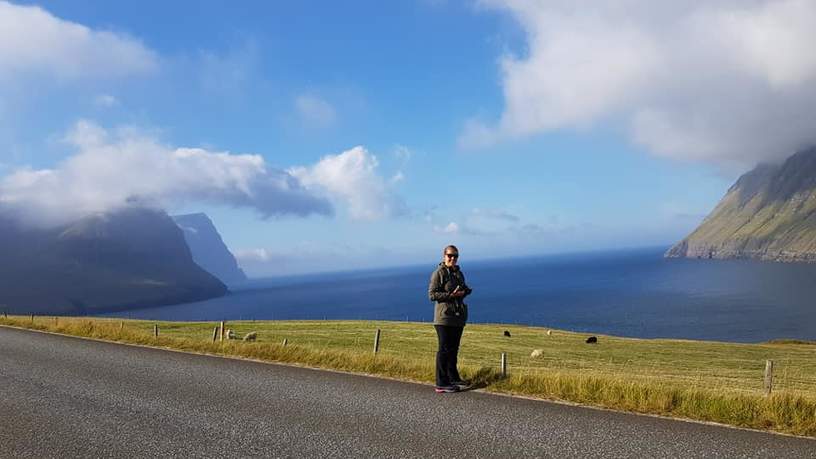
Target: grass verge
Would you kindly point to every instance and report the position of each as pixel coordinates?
(707, 381)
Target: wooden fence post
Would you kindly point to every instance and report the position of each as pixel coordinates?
(377, 341)
(221, 331)
(155, 329)
(284, 342)
(121, 325)
(32, 318)
(769, 365)
(504, 364)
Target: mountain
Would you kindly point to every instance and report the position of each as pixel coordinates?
(208, 249)
(113, 261)
(768, 214)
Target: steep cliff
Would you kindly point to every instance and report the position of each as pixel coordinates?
(768, 214)
(208, 249)
(113, 261)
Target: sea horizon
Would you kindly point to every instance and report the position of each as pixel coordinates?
(467, 262)
(633, 292)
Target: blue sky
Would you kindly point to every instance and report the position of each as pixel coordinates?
(495, 125)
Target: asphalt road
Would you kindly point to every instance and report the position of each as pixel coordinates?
(67, 397)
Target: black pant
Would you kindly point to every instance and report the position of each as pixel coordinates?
(446, 355)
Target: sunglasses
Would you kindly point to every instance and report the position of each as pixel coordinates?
(452, 255)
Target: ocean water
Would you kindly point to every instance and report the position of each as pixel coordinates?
(635, 293)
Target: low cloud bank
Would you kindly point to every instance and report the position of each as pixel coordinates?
(723, 81)
(112, 169)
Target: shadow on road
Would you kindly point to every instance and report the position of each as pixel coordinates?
(484, 377)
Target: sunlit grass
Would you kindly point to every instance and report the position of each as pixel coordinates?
(712, 381)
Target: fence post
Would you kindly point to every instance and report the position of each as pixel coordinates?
(769, 365)
(155, 329)
(221, 331)
(377, 341)
(504, 364)
(32, 318)
(121, 325)
(215, 333)
(284, 342)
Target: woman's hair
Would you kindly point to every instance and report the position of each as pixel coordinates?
(449, 247)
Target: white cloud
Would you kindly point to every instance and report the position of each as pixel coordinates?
(315, 111)
(106, 101)
(450, 228)
(403, 154)
(482, 222)
(351, 179)
(495, 225)
(727, 81)
(312, 256)
(494, 214)
(397, 178)
(86, 134)
(465, 228)
(34, 42)
(253, 255)
(113, 169)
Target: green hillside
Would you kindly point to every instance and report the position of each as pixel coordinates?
(768, 214)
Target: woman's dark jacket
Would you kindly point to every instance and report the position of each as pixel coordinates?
(448, 310)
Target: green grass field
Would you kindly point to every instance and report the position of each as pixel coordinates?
(712, 381)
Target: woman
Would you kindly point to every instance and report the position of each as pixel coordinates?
(448, 289)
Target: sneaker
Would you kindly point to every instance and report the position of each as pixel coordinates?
(446, 389)
(460, 383)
